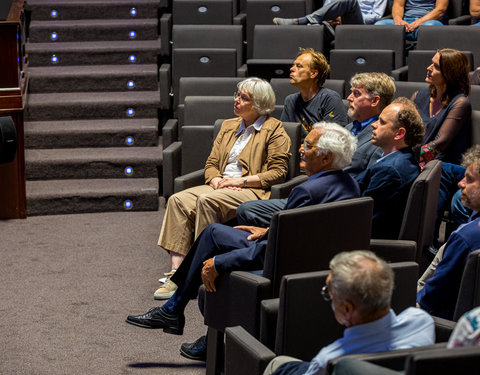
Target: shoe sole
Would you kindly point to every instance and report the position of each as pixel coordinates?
(173, 331)
(162, 296)
(186, 355)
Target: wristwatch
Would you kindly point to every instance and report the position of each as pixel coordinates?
(244, 182)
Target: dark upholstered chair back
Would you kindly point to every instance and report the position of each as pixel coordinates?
(419, 217)
(305, 239)
(469, 293)
(372, 37)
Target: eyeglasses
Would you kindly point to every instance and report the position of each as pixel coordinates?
(325, 294)
(243, 98)
(308, 146)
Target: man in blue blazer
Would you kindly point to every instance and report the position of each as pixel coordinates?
(371, 93)
(220, 249)
(388, 181)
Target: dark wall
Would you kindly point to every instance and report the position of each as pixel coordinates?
(4, 9)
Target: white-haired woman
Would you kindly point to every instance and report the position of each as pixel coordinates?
(249, 155)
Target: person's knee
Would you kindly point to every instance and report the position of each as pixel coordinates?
(244, 213)
(432, 23)
(384, 22)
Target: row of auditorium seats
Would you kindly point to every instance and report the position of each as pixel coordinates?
(218, 50)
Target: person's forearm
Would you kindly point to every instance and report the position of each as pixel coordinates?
(435, 14)
(398, 11)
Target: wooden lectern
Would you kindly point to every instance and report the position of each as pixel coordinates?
(13, 88)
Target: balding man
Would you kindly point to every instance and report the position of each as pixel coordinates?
(359, 287)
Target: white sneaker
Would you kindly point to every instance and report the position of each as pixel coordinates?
(168, 275)
(165, 291)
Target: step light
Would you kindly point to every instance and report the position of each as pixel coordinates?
(133, 12)
(129, 141)
(53, 13)
(132, 58)
(131, 84)
(130, 112)
(54, 59)
(128, 171)
(132, 34)
(53, 36)
(128, 205)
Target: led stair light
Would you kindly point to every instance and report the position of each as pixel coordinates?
(129, 141)
(128, 171)
(131, 84)
(128, 205)
(130, 112)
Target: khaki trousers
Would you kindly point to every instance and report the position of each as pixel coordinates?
(190, 211)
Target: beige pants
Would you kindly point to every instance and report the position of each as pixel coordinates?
(275, 363)
(190, 211)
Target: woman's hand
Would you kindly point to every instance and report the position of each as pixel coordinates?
(214, 182)
(235, 183)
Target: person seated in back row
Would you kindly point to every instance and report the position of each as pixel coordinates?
(350, 11)
(415, 13)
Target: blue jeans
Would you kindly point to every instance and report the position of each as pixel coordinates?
(413, 34)
(349, 10)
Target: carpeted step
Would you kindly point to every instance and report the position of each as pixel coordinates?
(76, 163)
(93, 30)
(93, 53)
(101, 195)
(91, 133)
(85, 78)
(93, 9)
(92, 105)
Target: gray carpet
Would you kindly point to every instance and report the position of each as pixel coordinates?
(67, 284)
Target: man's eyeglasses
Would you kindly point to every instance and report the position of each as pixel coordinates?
(243, 98)
(325, 294)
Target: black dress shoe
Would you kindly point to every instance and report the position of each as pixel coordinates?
(157, 318)
(196, 350)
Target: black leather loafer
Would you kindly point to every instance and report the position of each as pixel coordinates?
(156, 318)
(196, 350)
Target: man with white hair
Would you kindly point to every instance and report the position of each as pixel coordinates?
(221, 249)
(359, 287)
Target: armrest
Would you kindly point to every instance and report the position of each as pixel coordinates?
(171, 166)
(237, 301)
(165, 33)
(394, 359)
(283, 190)
(169, 133)
(242, 71)
(189, 180)
(394, 250)
(268, 321)
(244, 354)
(466, 19)
(165, 83)
(400, 74)
(443, 329)
(240, 19)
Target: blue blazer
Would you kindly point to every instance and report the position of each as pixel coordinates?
(323, 187)
(388, 182)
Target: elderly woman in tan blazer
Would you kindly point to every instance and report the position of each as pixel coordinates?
(249, 155)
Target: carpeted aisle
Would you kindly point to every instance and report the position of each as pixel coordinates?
(67, 284)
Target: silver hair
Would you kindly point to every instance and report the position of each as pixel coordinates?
(339, 141)
(362, 278)
(261, 93)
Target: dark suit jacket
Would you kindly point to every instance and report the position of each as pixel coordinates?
(388, 182)
(323, 187)
(366, 154)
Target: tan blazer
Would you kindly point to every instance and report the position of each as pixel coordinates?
(266, 154)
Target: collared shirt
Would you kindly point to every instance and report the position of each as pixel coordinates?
(234, 168)
(411, 328)
(467, 330)
(359, 126)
